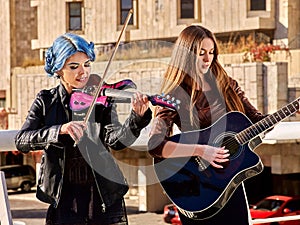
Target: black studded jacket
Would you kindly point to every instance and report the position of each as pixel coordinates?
(41, 129)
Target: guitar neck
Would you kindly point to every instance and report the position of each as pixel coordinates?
(268, 122)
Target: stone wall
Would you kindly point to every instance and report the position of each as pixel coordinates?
(265, 84)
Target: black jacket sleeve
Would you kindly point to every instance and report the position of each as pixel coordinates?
(117, 136)
(35, 134)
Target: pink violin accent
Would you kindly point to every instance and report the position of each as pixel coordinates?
(82, 98)
(112, 93)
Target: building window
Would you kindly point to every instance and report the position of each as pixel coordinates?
(74, 16)
(2, 102)
(2, 98)
(260, 8)
(187, 9)
(125, 6)
(257, 5)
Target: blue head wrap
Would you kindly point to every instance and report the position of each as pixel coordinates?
(63, 47)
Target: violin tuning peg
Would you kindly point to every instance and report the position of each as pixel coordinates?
(176, 106)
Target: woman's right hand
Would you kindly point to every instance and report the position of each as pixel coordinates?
(214, 155)
(74, 128)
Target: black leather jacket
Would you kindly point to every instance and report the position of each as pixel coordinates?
(40, 131)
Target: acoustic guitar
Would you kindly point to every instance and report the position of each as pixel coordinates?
(199, 190)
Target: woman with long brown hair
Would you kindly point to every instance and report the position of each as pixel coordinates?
(197, 79)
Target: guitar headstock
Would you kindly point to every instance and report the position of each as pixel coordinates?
(165, 101)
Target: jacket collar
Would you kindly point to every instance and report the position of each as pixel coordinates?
(65, 97)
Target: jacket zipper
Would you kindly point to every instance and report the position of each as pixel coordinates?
(97, 185)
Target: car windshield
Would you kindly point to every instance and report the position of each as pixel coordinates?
(269, 204)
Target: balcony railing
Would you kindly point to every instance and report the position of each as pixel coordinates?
(7, 144)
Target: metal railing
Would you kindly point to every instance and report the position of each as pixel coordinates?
(275, 219)
(7, 144)
(5, 214)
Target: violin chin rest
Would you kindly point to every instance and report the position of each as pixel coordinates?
(94, 79)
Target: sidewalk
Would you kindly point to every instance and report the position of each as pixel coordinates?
(27, 209)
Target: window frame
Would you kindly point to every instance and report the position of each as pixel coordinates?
(134, 17)
(68, 17)
(2, 98)
(259, 13)
(197, 13)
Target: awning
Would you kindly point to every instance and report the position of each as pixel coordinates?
(283, 132)
(7, 142)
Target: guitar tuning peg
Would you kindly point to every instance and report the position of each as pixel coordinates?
(178, 101)
(172, 99)
(168, 96)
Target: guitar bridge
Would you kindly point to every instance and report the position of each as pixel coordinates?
(202, 164)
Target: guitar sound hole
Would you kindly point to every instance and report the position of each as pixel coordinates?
(232, 145)
(228, 140)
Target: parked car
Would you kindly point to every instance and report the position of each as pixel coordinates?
(277, 206)
(272, 206)
(171, 215)
(19, 176)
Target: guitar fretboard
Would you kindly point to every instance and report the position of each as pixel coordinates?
(267, 123)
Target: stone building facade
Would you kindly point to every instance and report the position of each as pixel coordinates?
(30, 26)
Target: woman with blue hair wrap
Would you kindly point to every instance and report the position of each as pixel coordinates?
(64, 47)
(82, 183)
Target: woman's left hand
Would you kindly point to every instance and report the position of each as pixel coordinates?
(139, 103)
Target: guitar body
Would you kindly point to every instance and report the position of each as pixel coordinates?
(198, 189)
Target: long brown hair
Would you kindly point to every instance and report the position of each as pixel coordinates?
(183, 70)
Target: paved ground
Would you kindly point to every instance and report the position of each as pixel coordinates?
(27, 209)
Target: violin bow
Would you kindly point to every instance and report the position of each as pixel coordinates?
(98, 90)
(88, 114)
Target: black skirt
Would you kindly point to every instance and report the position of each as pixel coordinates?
(80, 202)
(81, 205)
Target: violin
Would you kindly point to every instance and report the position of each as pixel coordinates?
(114, 93)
